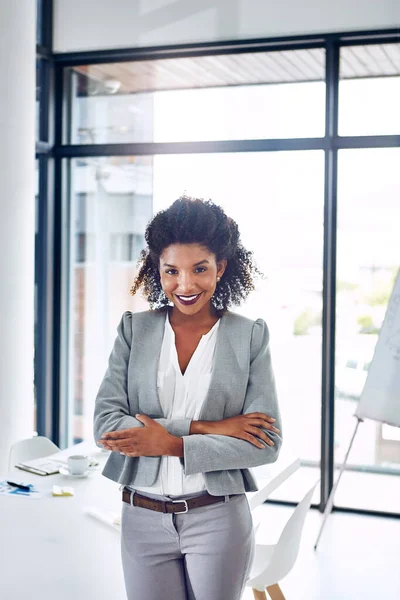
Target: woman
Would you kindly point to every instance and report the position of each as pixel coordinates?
(187, 405)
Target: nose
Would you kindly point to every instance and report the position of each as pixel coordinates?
(185, 282)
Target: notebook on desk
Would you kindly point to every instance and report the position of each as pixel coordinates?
(41, 466)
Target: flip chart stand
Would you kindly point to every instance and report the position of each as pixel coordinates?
(329, 504)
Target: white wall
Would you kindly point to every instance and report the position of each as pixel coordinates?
(17, 223)
(105, 24)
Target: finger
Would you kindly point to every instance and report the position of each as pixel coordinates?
(259, 433)
(260, 423)
(253, 440)
(263, 424)
(117, 439)
(117, 435)
(121, 446)
(126, 450)
(147, 421)
(103, 443)
(261, 416)
(115, 443)
(112, 448)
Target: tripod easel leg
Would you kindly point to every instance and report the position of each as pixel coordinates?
(329, 504)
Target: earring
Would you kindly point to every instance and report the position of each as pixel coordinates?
(218, 279)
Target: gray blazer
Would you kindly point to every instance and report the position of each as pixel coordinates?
(242, 382)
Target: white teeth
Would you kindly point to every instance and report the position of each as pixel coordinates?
(188, 298)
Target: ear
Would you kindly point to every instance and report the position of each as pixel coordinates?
(221, 266)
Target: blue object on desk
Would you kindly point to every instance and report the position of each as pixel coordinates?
(21, 486)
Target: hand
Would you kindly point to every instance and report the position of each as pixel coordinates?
(244, 427)
(151, 440)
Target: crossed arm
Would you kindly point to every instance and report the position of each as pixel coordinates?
(153, 439)
(247, 440)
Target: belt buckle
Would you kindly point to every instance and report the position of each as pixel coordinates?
(181, 512)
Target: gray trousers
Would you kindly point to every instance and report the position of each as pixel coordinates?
(204, 554)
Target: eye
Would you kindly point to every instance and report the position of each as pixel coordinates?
(171, 271)
(200, 269)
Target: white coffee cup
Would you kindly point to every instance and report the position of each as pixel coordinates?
(78, 464)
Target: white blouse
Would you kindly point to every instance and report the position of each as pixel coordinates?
(182, 397)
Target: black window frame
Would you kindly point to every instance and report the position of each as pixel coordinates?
(43, 380)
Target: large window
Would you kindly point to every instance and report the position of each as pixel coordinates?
(248, 129)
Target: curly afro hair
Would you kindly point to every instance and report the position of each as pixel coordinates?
(196, 221)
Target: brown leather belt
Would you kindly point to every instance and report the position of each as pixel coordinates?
(169, 506)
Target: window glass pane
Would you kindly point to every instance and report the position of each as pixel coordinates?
(368, 249)
(369, 90)
(240, 96)
(111, 203)
(292, 110)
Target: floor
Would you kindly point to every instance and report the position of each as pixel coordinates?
(358, 557)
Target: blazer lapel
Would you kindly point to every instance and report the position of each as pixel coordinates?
(147, 355)
(225, 372)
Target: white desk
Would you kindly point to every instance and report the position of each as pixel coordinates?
(50, 549)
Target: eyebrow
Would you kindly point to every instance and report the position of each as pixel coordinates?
(201, 262)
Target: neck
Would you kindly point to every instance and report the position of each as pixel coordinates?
(204, 317)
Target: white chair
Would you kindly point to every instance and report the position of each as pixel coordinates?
(29, 449)
(272, 563)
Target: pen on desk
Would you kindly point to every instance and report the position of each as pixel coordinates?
(20, 486)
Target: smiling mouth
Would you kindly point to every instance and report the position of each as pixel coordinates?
(188, 300)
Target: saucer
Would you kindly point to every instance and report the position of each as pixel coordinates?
(65, 471)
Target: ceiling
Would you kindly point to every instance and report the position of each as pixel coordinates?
(370, 61)
(287, 66)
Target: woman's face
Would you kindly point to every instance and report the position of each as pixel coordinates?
(188, 275)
